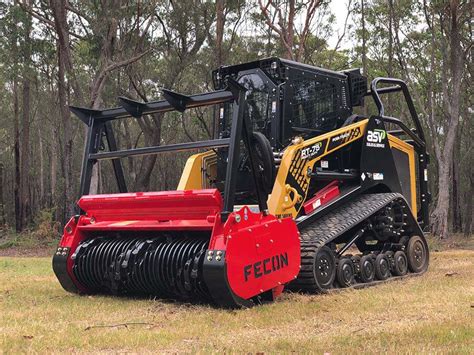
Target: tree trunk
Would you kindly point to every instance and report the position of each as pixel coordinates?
(64, 67)
(469, 205)
(25, 154)
(290, 31)
(451, 100)
(390, 54)
(364, 46)
(2, 205)
(152, 137)
(53, 200)
(16, 152)
(456, 193)
(220, 20)
(41, 161)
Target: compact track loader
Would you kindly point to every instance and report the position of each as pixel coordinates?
(295, 191)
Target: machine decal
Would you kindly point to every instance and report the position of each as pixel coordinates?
(377, 176)
(375, 138)
(344, 137)
(312, 152)
(265, 266)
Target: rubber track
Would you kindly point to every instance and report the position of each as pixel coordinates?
(329, 227)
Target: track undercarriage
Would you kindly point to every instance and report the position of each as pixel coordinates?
(373, 238)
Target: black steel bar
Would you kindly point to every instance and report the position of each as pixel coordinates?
(117, 164)
(333, 175)
(405, 128)
(247, 137)
(93, 139)
(417, 135)
(197, 100)
(216, 143)
(177, 100)
(356, 236)
(411, 106)
(84, 114)
(399, 132)
(385, 90)
(234, 149)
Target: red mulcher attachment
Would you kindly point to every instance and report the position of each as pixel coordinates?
(187, 245)
(174, 245)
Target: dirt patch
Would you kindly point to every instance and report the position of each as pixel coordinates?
(38, 252)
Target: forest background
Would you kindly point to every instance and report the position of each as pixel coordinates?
(55, 53)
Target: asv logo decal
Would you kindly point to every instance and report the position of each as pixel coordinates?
(375, 138)
(310, 152)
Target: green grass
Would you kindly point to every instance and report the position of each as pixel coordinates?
(428, 314)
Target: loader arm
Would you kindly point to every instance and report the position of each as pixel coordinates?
(292, 183)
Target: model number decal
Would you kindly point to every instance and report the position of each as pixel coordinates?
(310, 152)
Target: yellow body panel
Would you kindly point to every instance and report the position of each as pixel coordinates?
(297, 161)
(396, 143)
(192, 176)
(284, 198)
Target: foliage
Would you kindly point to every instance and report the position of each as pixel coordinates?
(118, 47)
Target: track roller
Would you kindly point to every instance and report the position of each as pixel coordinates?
(318, 270)
(345, 272)
(367, 268)
(382, 267)
(417, 254)
(400, 263)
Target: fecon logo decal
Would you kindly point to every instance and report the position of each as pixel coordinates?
(375, 138)
(265, 266)
(310, 152)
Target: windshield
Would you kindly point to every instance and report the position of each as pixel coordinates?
(258, 102)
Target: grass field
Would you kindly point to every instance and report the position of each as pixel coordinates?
(428, 314)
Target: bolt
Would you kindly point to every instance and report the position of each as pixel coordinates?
(279, 282)
(261, 290)
(211, 252)
(237, 218)
(219, 253)
(218, 258)
(258, 245)
(209, 258)
(271, 240)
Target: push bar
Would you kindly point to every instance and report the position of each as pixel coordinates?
(134, 108)
(215, 143)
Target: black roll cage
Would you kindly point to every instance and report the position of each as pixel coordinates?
(98, 122)
(417, 135)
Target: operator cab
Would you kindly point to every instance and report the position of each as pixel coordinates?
(285, 99)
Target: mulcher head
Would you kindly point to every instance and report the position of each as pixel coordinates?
(175, 245)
